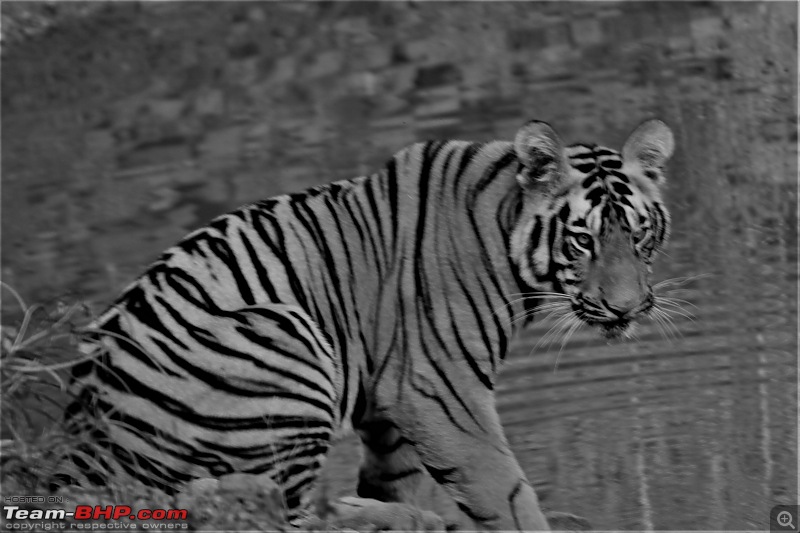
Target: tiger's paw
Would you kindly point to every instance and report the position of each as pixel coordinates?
(364, 514)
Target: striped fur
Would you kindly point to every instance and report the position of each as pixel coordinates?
(384, 303)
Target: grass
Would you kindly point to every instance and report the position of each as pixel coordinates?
(37, 349)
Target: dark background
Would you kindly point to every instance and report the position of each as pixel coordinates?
(126, 125)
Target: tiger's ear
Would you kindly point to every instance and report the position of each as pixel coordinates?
(650, 146)
(541, 153)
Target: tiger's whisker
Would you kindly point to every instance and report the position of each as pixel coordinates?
(512, 302)
(564, 327)
(527, 296)
(671, 322)
(655, 316)
(575, 324)
(675, 300)
(680, 281)
(666, 323)
(541, 294)
(676, 310)
(522, 316)
(552, 305)
(555, 330)
(554, 312)
(525, 314)
(674, 304)
(543, 307)
(543, 338)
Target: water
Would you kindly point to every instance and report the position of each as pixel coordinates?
(693, 428)
(689, 433)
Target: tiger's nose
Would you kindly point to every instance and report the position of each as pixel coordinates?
(624, 307)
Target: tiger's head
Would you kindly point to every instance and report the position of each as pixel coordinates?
(591, 222)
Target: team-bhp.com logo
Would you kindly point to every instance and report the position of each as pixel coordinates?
(95, 517)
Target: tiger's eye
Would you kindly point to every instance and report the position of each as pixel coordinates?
(583, 240)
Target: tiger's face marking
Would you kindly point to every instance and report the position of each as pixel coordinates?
(592, 221)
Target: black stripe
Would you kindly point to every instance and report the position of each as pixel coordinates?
(489, 306)
(489, 177)
(261, 272)
(468, 154)
(279, 252)
(537, 241)
(345, 247)
(595, 196)
(513, 494)
(148, 470)
(263, 451)
(381, 448)
(346, 205)
(444, 379)
(391, 181)
(188, 288)
(487, 345)
(621, 188)
(376, 218)
(563, 213)
(314, 330)
(208, 340)
(221, 248)
(162, 440)
(393, 477)
(553, 267)
(192, 245)
(243, 387)
(420, 279)
(443, 476)
(124, 382)
(443, 406)
(597, 152)
(476, 517)
(137, 306)
(378, 374)
(367, 226)
(220, 224)
(331, 268)
(661, 222)
(343, 357)
(443, 177)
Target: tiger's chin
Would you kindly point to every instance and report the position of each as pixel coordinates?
(617, 329)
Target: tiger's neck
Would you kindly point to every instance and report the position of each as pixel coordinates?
(457, 204)
(498, 204)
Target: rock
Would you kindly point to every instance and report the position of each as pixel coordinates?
(567, 522)
(234, 502)
(197, 487)
(364, 514)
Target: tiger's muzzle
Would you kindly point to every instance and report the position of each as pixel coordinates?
(613, 319)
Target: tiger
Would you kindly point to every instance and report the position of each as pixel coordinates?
(384, 305)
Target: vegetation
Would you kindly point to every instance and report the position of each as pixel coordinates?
(36, 352)
(38, 348)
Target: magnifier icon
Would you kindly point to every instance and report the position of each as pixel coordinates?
(784, 519)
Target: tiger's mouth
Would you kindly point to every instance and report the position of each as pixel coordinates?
(615, 329)
(610, 329)
(612, 324)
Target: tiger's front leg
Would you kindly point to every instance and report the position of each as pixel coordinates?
(390, 469)
(461, 443)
